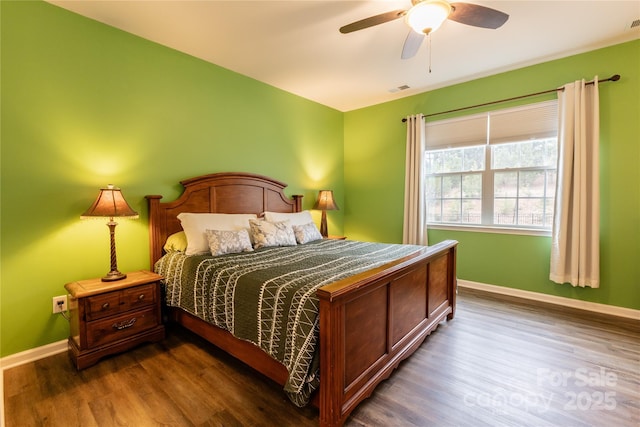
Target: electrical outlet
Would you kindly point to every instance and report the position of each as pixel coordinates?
(60, 304)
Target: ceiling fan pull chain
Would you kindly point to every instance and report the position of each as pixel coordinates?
(429, 39)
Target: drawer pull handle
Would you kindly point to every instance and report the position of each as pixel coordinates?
(124, 324)
(105, 306)
(141, 297)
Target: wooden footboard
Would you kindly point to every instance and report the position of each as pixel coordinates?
(370, 322)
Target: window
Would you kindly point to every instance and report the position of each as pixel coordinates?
(496, 169)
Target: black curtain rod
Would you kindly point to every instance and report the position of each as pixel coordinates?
(613, 78)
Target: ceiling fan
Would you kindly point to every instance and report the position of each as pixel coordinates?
(426, 16)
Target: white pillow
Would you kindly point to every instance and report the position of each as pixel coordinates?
(196, 224)
(266, 234)
(306, 233)
(297, 218)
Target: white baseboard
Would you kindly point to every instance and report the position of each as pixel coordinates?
(553, 299)
(33, 354)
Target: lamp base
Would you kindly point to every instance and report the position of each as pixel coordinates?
(324, 230)
(113, 276)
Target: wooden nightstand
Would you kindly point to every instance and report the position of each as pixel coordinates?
(110, 317)
(336, 237)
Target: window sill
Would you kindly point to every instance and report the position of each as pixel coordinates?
(493, 230)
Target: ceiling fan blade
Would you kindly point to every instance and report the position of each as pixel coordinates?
(372, 20)
(411, 44)
(477, 16)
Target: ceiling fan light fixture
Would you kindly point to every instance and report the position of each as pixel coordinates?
(427, 16)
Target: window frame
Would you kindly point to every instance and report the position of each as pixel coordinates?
(543, 125)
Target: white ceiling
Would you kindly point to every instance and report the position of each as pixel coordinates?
(296, 45)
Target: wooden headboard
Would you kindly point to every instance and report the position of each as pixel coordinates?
(229, 192)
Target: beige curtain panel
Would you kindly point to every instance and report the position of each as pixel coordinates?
(575, 239)
(414, 229)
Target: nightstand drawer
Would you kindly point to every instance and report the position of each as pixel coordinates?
(139, 296)
(100, 306)
(108, 330)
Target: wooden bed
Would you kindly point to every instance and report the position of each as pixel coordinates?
(369, 322)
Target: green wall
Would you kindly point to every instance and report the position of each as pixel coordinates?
(374, 176)
(85, 105)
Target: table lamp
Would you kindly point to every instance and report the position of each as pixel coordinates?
(110, 204)
(325, 203)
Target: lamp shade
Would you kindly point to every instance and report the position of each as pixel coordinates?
(110, 203)
(325, 201)
(427, 16)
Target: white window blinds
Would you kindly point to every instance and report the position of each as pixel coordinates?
(458, 132)
(533, 121)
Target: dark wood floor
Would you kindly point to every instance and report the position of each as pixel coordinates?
(500, 362)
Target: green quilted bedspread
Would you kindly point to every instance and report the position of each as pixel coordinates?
(268, 296)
